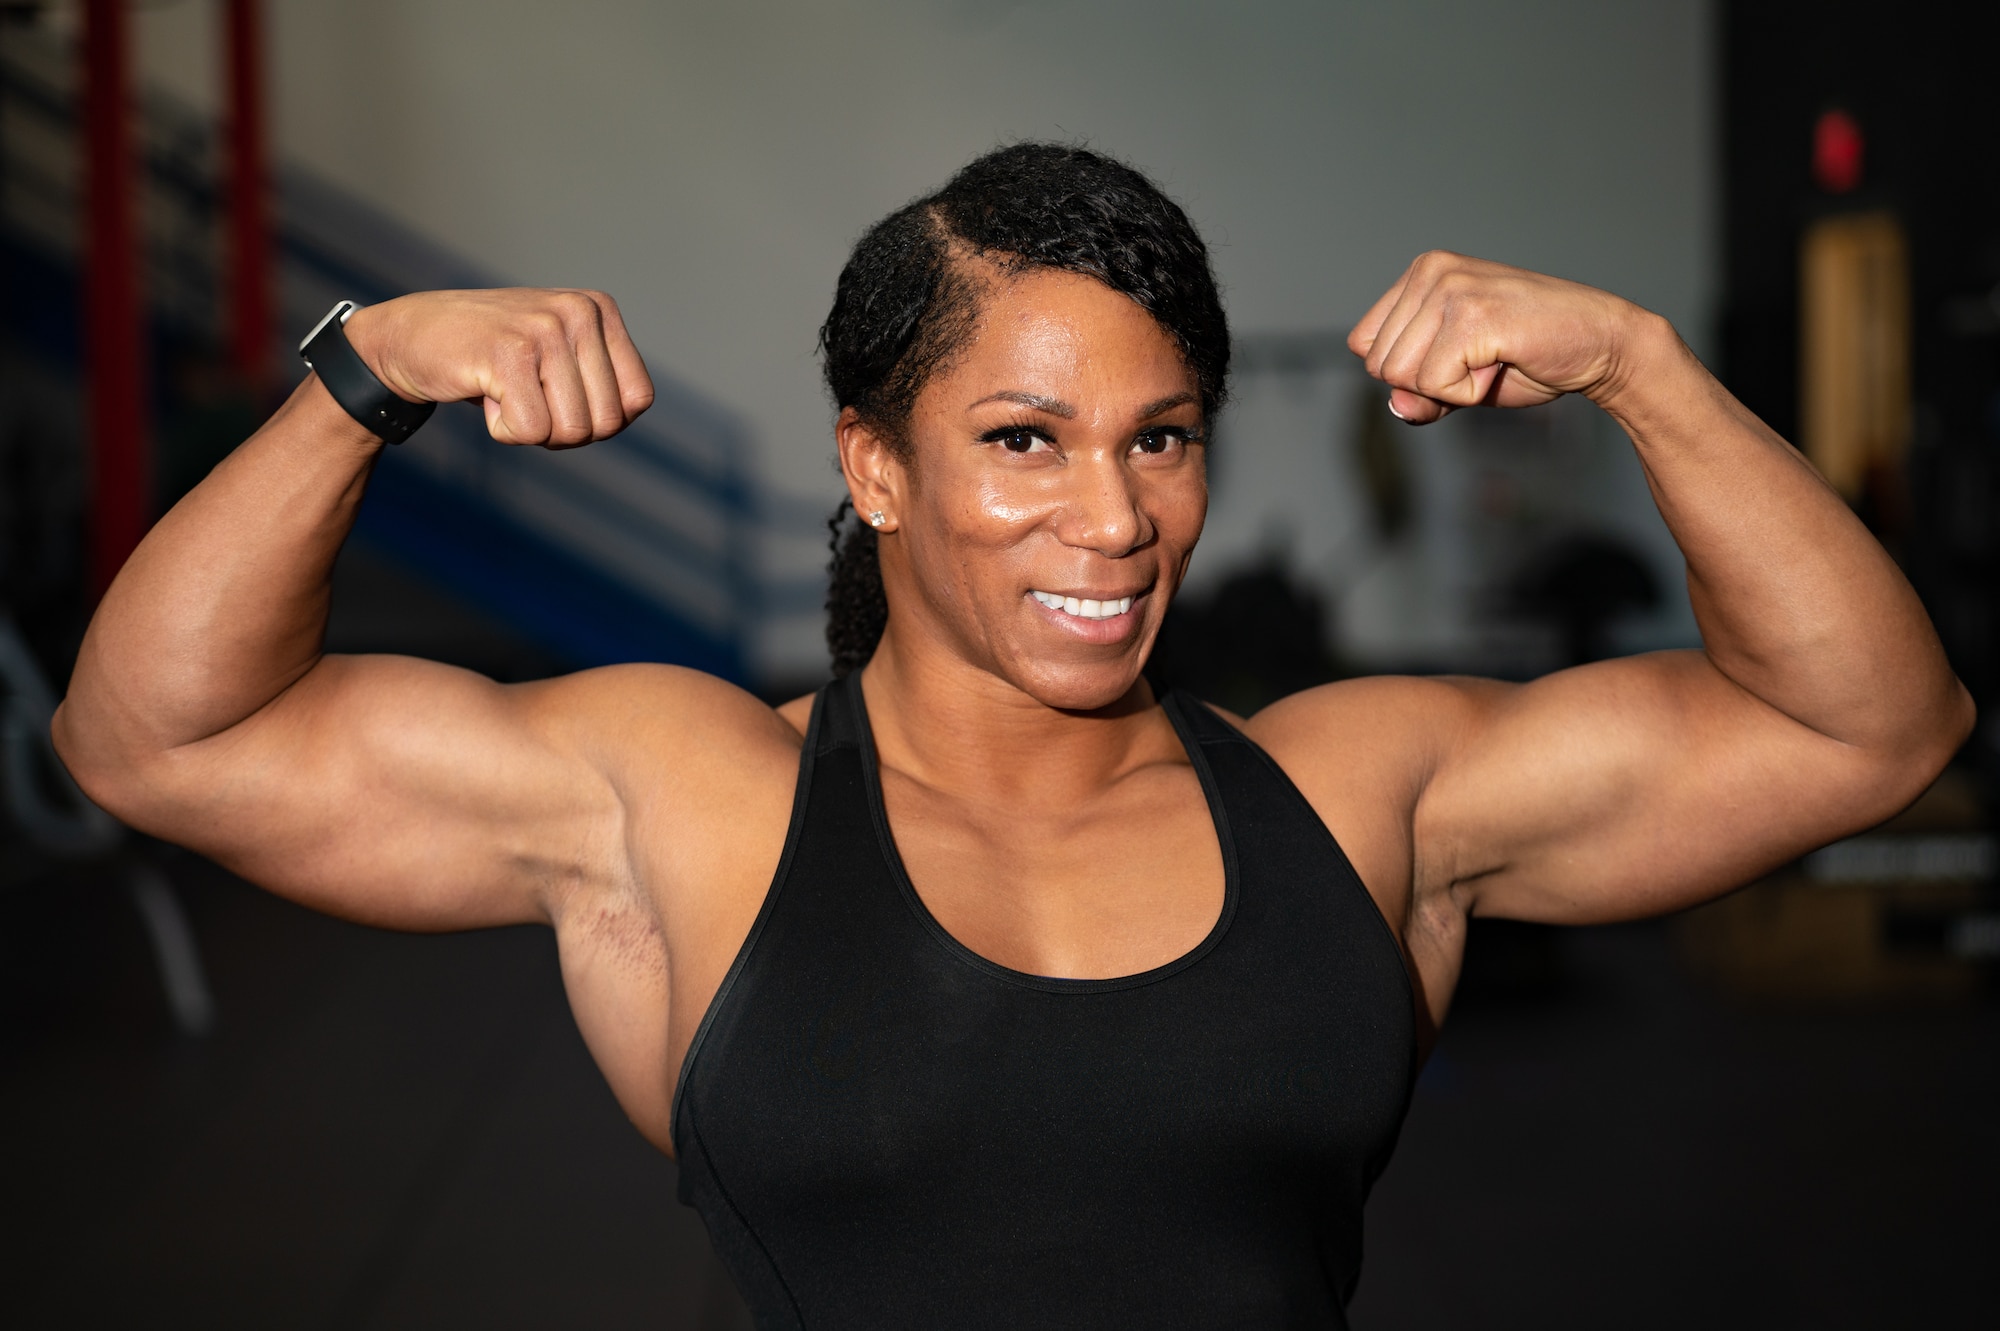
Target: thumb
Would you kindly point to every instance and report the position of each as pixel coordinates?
(1470, 389)
(1483, 380)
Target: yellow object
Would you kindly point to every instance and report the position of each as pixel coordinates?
(1854, 353)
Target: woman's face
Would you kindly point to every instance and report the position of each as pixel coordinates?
(1055, 488)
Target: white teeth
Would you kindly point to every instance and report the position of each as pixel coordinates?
(1084, 608)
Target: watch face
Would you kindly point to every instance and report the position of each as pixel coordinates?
(339, 311)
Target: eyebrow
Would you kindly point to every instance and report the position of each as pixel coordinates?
(1055, 406)
(1167, 403)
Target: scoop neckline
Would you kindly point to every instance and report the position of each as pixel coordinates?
(1173, 704)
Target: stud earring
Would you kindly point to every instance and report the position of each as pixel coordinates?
(876, 519)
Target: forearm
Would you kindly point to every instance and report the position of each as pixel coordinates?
(1797, 603)
(223, 605)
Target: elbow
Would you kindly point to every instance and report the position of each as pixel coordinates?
(1927, 746)
(1966, 714)
(1957, 717)
(1961, 721)
(73, 749)
(108, 776)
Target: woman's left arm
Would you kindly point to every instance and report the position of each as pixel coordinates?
(1820, 703)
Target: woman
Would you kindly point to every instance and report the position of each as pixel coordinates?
(984, 987)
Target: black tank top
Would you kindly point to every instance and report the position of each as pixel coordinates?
(883, 1129)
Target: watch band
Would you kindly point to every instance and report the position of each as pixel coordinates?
(328, 354)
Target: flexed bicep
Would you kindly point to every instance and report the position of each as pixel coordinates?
(395, 792)
(400, 791)
(1635, 787)
(1819, 703)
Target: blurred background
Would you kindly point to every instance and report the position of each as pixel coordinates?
(225, 1111)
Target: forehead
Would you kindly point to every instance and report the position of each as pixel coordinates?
(1059, 334)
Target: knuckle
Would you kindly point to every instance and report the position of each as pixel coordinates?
(1442, 266)
(1471, 312)
(514, 349)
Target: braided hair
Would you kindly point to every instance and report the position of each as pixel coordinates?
(908, 302)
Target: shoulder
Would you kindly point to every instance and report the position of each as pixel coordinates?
(701, 776)
(1362, 752)
(798, 714)
(1400, 722)
(641, 722)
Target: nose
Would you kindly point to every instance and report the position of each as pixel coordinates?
(1102, 510)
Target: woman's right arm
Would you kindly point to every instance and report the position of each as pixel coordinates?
(385, 789)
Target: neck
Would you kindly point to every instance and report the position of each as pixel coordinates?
(960, 729)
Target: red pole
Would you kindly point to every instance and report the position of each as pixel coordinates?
(114, 371)
(249, 209)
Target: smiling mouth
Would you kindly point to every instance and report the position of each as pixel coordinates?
(1083, 608)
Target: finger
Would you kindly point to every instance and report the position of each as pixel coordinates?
(1447, 351)
(1413, 408)
(518, 412)
(1361, 339)
(584, 321)
(562, 384)
(1407, 340)
(635, 386)
(1462, 361)
(1420, 283)
(1409, 347)
(1409, 307)
(1416, 409)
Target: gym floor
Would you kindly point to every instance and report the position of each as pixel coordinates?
(395, 1131)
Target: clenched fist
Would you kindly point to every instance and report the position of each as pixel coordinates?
(554, 367)
(1455, 332)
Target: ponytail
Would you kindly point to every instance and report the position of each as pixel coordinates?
(857, 610)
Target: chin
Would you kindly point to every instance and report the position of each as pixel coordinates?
(1078, 686)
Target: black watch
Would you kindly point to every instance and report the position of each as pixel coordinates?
(328, 354)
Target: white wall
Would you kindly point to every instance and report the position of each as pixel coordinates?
(711, 164)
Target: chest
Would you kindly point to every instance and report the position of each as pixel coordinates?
(875, 1098)
(865, 1028)
(1115, 885)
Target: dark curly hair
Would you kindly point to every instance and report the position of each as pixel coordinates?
(908, 301)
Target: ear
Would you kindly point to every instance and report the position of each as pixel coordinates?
(877, 480)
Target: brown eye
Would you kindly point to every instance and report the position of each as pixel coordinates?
(1022, 441)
